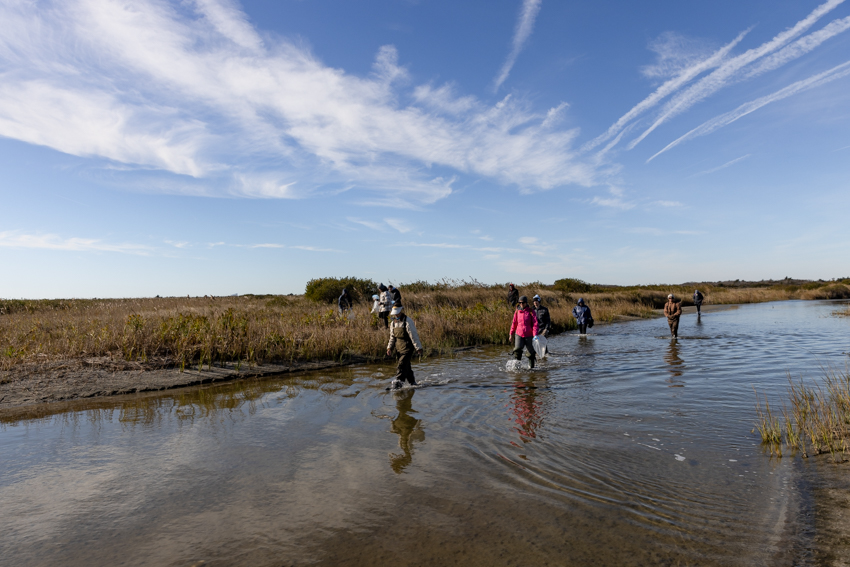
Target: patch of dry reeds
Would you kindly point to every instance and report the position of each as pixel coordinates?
(202, 332)
(818, 420)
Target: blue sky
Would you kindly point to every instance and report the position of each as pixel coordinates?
(214, 147)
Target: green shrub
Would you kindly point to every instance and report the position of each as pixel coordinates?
(571, 285)
(328, 290)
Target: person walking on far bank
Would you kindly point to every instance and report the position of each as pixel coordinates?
(513, 295)
(344, 302)
(385, 303)
(583, 317)
(542, 314)
(673, 310)
(524, 328)
(405, 340)
(698, 297)
(395, 294)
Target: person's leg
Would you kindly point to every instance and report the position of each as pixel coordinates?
(674, 327)
(406, 369)
(529, 345)
(698, 308)
(517, 347)
(582, 329)
(384, 316)
(670, 324)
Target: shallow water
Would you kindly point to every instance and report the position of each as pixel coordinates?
(623, 448)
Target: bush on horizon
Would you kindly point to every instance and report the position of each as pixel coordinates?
(571, 285)
(328, 290)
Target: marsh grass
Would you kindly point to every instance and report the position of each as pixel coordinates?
(249, 330)
(205, 332)
(817, 421)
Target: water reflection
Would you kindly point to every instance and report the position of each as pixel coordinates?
(527, 407)
(408, 429)
(677, 365)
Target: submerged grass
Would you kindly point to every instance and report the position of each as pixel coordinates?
(818, 420)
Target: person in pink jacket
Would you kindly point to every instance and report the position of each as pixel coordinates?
(524, 329)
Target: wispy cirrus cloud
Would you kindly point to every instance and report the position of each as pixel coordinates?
(727, 118)
(191, 91)
(17, 239)
(524, 27)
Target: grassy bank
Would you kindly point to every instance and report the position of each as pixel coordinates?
(198, 332)
(816, 421)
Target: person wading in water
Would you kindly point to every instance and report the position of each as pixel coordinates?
(698, 300)
(583, 317)
(524, 327)
(673, 310)
(405, 340)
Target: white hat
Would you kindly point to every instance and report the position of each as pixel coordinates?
(397, 310)
(536, 298)
(670, 296)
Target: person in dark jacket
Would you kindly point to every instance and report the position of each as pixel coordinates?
(344, 302)
(543, 320)
(698, 297)
(395, 293)
(513, 295)
(583, 317)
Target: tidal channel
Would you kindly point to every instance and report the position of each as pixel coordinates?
(623, 448)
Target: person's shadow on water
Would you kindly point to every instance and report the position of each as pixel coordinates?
(408, 429)
(677, 365)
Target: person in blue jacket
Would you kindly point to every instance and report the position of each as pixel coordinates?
(583, 317)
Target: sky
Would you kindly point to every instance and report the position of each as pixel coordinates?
(199, 147)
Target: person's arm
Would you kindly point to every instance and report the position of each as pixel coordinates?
(414, 336)
(535, 327)
(513, 324)
(391, 344)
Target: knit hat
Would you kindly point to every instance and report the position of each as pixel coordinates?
(523, 299)
(536, 298)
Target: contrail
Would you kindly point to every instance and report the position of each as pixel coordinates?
(718, 79)
(720, 121)
(524, 27)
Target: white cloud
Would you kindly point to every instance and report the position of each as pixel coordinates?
(612, 202)
(683, 77)
(16, 239)
(669, 204)
(727, 71)
(527, 240)
(800, 47)
(719, 167)
(398, 224)
(203, 95)
(524, 27)
(724, 119)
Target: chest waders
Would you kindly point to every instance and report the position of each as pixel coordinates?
(405, 349)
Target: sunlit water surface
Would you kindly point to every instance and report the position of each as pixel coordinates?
(624, 448)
